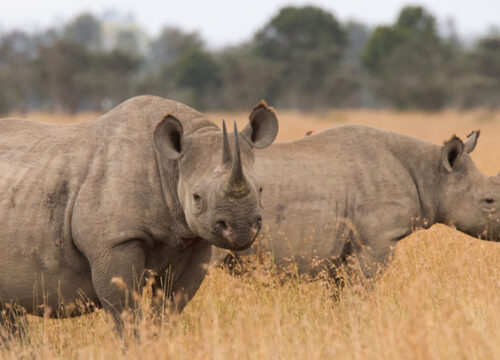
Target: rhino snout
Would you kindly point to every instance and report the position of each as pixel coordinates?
(238, 236)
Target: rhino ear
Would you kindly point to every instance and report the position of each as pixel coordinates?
(471, 141)
(451, 151)
(263, 126)
(168, 137)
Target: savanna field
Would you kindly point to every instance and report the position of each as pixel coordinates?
(439, 298)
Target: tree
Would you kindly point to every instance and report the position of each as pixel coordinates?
(296, 31)
(114, 76)
(308, 43)
(479, 84)
(63, 68)
(357, 35)
(247, 78)
(487, 56)
(410, 61)
(128, 42)
(84, 30)
(353, 86)
(197, 72)
(4, 106)
(171, 44)
(301, 58)
(164, 54)
(17, 50)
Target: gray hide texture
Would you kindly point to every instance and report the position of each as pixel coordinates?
(356, 190)
(143, 187)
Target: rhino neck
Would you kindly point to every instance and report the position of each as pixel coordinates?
(127, 132)
(422, 161)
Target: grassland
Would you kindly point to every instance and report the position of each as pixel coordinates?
(438, 299)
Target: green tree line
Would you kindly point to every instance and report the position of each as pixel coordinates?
(303, 58)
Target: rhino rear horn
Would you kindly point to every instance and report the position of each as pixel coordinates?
(226, 149)
(236, 169)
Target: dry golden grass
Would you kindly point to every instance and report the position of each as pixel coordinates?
(438, 299)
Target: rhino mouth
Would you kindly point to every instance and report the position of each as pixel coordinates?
(234, 240)
(187, 242)
(192, 240)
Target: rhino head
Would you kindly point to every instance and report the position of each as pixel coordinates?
(217, 187)
(468, 199)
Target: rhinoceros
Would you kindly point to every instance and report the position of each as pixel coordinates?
(355, 191)
(150, 185)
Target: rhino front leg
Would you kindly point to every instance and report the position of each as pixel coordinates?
(376, 237)
(188, 282)
(374, 258)
(374, 253)
(117, 276)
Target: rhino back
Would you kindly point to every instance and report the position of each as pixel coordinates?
(338, 184)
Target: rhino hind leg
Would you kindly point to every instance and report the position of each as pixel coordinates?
(13, 324)
(340, 269)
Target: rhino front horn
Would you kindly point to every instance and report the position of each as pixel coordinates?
(226, 150)
(236, 177)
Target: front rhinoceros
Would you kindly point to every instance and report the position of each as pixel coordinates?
(356, 191)
(151, 185)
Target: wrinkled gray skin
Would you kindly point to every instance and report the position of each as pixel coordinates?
(356, 190)
(142, 187)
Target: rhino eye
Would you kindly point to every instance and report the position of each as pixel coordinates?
(260, 190)
(196, 198)
(489, 201)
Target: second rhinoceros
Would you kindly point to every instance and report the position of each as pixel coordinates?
(151, 185)
(356, 190)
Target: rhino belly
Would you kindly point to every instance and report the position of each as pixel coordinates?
(303, 232)
(41, 279)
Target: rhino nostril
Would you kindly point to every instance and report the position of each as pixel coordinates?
(257, 224)
(225, 230)
(221, 225)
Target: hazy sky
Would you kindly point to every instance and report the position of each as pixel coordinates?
(227, 22)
